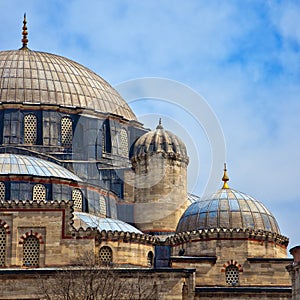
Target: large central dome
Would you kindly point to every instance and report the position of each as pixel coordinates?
(41, 78)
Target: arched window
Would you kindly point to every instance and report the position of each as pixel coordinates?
(105, 255)
(30, 129)
(66, 131)
(39, 192)
(77, 199)
(123, 143)
(31, 251)
(232, 275)
(2, 191)
(2, 246)
(102, 204)
(150, 259)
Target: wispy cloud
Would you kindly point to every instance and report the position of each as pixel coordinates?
(242, 56)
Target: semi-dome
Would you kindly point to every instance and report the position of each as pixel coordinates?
(14, 164)
(159, 141)
(230, 209)
(32, 77)
(107, 224)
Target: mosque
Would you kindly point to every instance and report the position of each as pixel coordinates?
(80, 174)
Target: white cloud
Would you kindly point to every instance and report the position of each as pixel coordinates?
(243, 57)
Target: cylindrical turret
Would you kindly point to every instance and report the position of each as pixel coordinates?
(160, 164)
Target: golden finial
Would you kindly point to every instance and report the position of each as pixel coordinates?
(225, 178)
(24, 33)
(159, 126)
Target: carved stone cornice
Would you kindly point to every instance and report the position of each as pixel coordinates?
(223, 233)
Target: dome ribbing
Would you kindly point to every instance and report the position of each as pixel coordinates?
(32, 77)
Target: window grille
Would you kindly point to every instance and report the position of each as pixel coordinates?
(102, 204)
(30, 129)
(232, 275)
(77, 199)
(2, 191)
(2, 246)
(31, 251)
(66, 132)
(39, 192)
(123, 143)
(103, 138)
(105, 255)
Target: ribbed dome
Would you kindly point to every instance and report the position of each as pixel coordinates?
(107, 224)
(160, 141)
(41, 78)
(28, 165)
(227, 208)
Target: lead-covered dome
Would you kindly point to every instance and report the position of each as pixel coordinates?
(86, 220)
(160, 141)
(230, 209)
(15, 164)
(31, 77)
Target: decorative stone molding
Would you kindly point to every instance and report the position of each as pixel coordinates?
(223, 233)
(5, 225)
(232, 263)
(34, 233)
(122, 236)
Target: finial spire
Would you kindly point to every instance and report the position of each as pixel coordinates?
(24, 33)
(159, 126)
(225, 178)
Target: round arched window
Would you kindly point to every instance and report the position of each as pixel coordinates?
(105, 255)
(77, 199)
(232, 275)
(66, 132)
(39, 192)
(31, 251)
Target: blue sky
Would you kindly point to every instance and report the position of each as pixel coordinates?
(242, 57)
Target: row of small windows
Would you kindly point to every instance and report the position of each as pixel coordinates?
(39, 194)
(119, 141)
(31, 252)
(30, 130)
(105, 256)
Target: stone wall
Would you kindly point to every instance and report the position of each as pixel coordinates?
(294, 270)
(165, 284)
(259, 262)
(160, 193)
(50, 223)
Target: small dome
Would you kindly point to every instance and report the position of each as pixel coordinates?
(160, 141)
(107, 224)
(29, 165)
(227, 208)
(32, 77)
